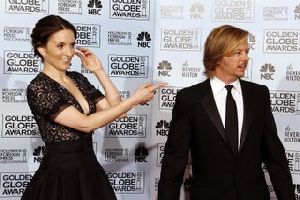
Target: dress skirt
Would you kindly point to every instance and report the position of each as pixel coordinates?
(69, 171)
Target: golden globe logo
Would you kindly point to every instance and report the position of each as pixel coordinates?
(128, 66)
(13, 184)
(130, 9)
(88, 35)
(233, 10)
(281, 41)
(19, 126)
(167, 97)
(21, 62)
(285, 102)
(130, 126)
(188, 39)
(130, 182)
(27, 6)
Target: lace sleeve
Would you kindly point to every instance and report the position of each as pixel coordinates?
(44, 98)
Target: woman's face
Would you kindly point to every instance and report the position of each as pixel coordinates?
(59, 50)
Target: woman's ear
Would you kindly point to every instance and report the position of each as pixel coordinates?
(41, 50)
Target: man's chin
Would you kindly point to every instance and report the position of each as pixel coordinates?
(240, 75)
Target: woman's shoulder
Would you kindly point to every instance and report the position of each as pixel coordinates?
(40, 78)
(41, 82)
(78, 77)
(75, 74)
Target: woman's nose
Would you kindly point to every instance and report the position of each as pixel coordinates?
(69, 51)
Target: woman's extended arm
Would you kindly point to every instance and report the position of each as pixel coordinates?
(72, 118)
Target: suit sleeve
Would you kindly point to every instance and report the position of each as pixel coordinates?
(175, 153)
(274, 156)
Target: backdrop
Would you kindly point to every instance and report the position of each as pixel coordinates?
(142, 41)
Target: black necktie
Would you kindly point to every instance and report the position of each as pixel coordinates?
(231, 120)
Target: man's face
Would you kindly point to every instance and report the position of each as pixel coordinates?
(230, 68)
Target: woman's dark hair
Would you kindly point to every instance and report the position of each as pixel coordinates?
(45, 27)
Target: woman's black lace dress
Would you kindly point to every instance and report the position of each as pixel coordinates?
(69, 169)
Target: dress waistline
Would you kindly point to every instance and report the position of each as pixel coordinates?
(83, 144)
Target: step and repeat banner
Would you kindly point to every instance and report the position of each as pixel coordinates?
(142, 41)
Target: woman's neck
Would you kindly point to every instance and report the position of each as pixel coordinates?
(57, 75)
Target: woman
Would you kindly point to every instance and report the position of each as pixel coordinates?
(67, 108)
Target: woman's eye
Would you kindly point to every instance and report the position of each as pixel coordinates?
(60, 46)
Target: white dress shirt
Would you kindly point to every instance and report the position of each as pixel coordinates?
(220, 93)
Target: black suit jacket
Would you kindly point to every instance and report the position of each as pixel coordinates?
(219, 174)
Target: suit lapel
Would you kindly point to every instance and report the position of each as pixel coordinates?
(248, 112)
(210, 107)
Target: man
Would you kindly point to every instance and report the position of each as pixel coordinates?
(225, 166)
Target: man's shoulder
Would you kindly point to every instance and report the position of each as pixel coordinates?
(252, 85)
(196, 87)
(192, 94)
(254, 89)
